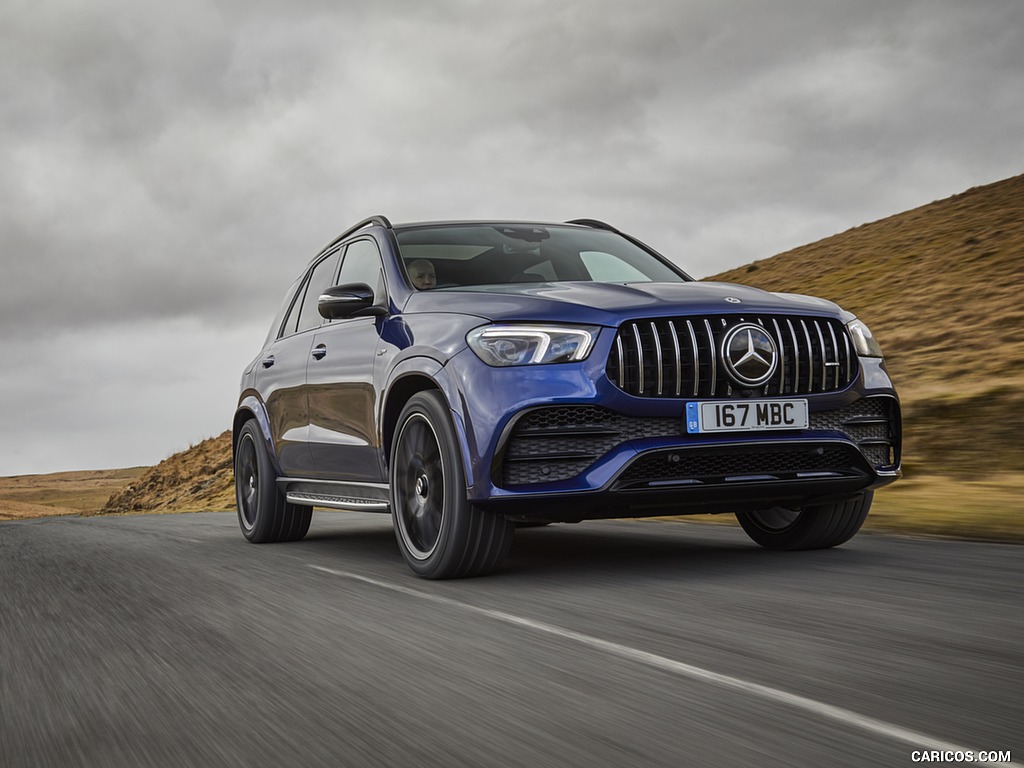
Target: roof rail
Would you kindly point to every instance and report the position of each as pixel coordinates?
(379, 221)
(595, 224)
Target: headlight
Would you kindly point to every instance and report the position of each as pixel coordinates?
(502, 345)
(865, 344)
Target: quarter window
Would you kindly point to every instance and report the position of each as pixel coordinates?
(362, 265)
(289, 310)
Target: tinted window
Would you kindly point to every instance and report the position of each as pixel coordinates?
(489, 254)
(321, 279)
(362, 265)
(607, 268)
(283, 325)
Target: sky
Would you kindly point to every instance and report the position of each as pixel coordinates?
(166, 169)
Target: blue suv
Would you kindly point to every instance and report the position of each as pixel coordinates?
(469, 377)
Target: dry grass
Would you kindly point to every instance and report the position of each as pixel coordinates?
(20, 510)
(61, 493)
(987, 509)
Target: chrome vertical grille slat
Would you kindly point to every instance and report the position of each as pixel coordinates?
(659, 361)
(768, 384)
(849, 359)
(621, 362)
(696, 359)
(824, 357)
(713, 362)
(639, 356)
(667, 360)
(796, 356)
(835, 348)
(810, 356)
(678, 358)
(782, 357)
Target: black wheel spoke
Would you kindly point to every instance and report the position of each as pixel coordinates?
(406, 452)
(247, 480)
(419, 486)
(420, 439)
(435, 474)
(428, 528)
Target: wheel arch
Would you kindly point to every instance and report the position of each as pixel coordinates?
(411, 378)
(251, 408)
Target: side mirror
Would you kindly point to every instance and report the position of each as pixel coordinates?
(347, 300)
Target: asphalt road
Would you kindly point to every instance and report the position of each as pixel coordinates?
(168, 640)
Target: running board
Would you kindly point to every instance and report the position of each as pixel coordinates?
(335, 494)
(336, 502)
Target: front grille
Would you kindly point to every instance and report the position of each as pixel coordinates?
(679, 357)
(725, 465)
(559, 442)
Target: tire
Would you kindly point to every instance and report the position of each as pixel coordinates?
(814, 527)
(263, 514)
(440, 534)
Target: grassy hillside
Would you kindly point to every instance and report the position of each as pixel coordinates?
(941, 286)
(200, 478)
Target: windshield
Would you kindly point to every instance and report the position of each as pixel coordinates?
(458, 255)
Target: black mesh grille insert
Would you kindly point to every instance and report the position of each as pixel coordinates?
(717, 464)
(872, 423)
(559, 442)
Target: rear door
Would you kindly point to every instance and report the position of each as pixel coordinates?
(281, 373)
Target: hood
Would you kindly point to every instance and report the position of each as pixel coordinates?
(610, 303)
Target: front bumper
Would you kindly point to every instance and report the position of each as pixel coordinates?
(562, 442)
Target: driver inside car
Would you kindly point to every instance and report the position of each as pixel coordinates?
(422, 274)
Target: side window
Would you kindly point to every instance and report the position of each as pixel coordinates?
(362, 265)
(321, 278)
(284, 321)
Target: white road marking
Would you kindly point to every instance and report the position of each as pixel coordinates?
(919, 740)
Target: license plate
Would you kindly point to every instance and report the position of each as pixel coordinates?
(745, 416)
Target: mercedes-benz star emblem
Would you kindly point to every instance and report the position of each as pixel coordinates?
(749, 355)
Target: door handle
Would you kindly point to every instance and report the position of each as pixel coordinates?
(319, 351)
(268, 361)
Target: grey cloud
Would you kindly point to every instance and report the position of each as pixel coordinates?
(132, 395)
(174, 166)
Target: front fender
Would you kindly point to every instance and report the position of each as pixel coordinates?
(416, 374)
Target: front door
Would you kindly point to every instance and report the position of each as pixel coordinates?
(340, 381)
